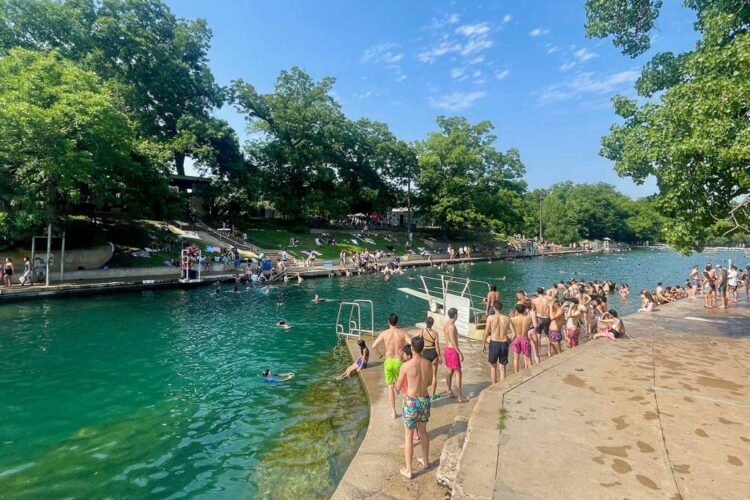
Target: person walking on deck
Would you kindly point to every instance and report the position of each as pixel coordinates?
(452, 354)
(393, 340)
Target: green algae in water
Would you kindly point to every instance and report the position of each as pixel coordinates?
(309, 457)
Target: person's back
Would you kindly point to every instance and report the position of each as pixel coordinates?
(418, 376)
(499, 327)
(521, 324)
(394, 340)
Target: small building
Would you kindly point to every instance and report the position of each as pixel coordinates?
(194, 186)
(399, 217)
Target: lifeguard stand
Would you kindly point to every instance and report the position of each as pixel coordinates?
(190, 275)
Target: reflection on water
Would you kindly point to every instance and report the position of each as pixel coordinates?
(159, 393)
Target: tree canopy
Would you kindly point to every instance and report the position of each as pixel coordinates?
(465, 182)
(692, 133)
(63, 139)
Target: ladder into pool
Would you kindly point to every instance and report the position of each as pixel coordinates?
(352, 327)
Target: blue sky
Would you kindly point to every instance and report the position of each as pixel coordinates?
(525, 65)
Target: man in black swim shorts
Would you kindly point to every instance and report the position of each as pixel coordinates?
(496, 329)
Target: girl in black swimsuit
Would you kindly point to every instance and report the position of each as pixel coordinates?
(431, 351)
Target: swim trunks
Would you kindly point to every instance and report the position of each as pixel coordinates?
(521, 345)
(572, 337)
(391, 367)
(452, 359)
(416, 410)
(498, 352)
(555, 337)
(430, 354)
(543, 327)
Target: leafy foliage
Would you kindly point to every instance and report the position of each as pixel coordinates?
(63, 139)
(695, 136)
(465, 182)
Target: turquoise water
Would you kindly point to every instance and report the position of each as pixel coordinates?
(159, 393)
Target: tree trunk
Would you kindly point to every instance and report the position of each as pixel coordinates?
(179, 163)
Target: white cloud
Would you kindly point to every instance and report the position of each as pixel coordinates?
(382, 53)
(538, 32)
(588, 83)
(443, 48)
(502, 75)
(457, 101)
(446, 20)
(459, 74)
(552, 50)
(472, 30)
(567, 66)
(584, 55)
(467, 40)
(507, 18)
(476, 74)
(400, 78)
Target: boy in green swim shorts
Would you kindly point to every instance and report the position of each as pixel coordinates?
(393, 340)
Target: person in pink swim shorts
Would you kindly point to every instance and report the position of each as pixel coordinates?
(452, 354)
(520, 323)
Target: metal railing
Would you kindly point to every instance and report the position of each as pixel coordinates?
(353, 328)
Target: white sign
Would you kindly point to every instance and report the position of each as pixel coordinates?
(463, 306)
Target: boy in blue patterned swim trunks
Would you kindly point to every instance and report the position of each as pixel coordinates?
(417, 372)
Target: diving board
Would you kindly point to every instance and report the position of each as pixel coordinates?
(422, 295)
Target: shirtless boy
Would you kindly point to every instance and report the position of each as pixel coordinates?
(393, 339)
(417, 373)
(492, 296)
(520, 324)
(497, 329)
(452, 354)
(573, 326)
(541, 305)
(557, 321)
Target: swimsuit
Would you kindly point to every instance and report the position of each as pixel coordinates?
(429, 352)
(572, 337)
(359, 363)
(9, 271)
(416, 410)
(555, 336)
(271, 379)
(452, 359)
(522, 345)
(391, 366)
(543, 326)
(498, 352)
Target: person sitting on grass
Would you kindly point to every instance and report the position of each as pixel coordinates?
(361, 362)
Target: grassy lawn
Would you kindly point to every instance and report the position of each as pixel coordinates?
(279, 239)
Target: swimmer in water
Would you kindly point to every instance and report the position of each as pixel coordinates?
(273, 378)
(283, 324)
(316, 299)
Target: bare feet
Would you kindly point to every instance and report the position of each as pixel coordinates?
(451, 395)
(462, 399)
(406, 473)
(394, 415)
(422, 463)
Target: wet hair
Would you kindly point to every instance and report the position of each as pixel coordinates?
(493, 288)
(497, 306)
(540, 291)
(430, 321)
(393, 319)
(417, 343)
(407, 350)
(521, 308)
(452, 313)
(521, 292)
(613, 313)
(574, 300)
(658, 284)
(266, 372)
(362, 344)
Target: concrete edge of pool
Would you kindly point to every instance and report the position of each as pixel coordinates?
(655, 423)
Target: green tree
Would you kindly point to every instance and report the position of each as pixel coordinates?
(158, 62)
(464, 182)
(693, 132)
(64, 140)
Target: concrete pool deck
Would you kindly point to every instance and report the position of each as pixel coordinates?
(665, 415)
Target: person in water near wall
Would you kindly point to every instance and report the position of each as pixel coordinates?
(283, 324)
(361, 362)
(417, 373)
(431, 351)
(273, 378)
(393, 340)
(497, 328)
(452, 354)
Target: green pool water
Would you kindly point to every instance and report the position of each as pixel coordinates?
(159, 393)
